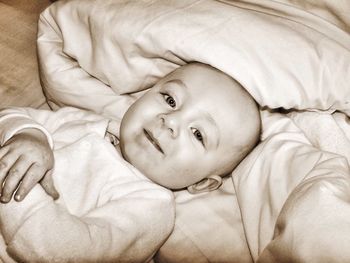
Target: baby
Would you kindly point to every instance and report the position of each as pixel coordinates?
(190, 129)
(195, 123)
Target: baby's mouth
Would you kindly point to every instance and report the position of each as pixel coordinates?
(153, 140)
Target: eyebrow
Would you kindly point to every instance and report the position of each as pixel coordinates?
(178, 82)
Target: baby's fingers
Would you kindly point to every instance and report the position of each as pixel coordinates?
(7, 160)
(30, 179)
(49, 186)
(13, 178)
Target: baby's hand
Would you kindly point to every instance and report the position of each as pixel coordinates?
(25, 160)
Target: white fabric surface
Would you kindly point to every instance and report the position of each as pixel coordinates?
(293, 197)
(208, 228)
(107, 210)
(111, 47)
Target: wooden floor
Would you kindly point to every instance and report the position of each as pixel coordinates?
(19, 79)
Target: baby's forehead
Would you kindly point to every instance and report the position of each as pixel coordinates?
(206, 88)
(217, 108)
(214, 96)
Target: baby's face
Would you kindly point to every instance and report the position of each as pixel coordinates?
(182, 130)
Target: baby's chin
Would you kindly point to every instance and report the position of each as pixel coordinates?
(170, 181)
(163, 176)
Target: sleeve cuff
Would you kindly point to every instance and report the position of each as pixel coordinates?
(16, 123)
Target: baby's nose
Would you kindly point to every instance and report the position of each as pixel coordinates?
(171, 123)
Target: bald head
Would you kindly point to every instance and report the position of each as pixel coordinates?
(236, 111)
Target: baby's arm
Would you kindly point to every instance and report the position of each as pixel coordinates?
(130, 226)
(23, 144)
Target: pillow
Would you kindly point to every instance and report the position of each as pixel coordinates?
(93, 51)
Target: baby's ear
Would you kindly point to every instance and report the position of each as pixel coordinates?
(208, 184)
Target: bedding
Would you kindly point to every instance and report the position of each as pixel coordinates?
(111, 48)
(286, 198)
(293, 196)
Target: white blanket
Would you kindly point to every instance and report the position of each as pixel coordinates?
(294, 197)
(111, 47)
(288, 54)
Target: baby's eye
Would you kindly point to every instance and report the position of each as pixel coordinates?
(198, 135)
(169, 100)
